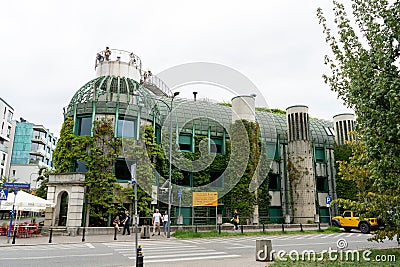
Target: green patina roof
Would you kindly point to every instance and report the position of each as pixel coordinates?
(107, 91)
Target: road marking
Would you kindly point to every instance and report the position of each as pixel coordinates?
(192, 258)
(60, 256)
(185, 255)
(89, 245)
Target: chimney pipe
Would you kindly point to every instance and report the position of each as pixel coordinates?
(194, 95)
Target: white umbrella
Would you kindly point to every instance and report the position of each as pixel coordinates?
(25, 202)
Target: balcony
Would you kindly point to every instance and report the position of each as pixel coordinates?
(3, 148)
(40, 152)
(39, 139)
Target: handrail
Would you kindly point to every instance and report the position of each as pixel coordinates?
(116, 55)
(154, 80)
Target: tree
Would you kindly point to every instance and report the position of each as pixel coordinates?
(365, 73)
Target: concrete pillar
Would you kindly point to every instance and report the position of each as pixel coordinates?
(300, 165)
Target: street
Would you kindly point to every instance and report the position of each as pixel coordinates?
(235, 251)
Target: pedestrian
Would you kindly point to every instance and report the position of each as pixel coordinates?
(133, 59)
(116, 223)
(126, 222)
(166, 222)
(157, 217)
(235, 220)
(99, 57)
(107, 53)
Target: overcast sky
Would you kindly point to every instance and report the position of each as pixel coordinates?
(48, 48)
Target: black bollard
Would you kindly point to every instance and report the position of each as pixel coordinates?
(195, 229)
(115, 233)
(301, 227)
(139, 256)
(14, 234)
(219, 229)
(83, 234)
(319, 226)
(51, 235)
(283, 228)
(241, 228)
(263, 228)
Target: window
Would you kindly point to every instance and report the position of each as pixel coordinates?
(80, 166)
(121, 170)
(272, 151)
(84, 126)
(185, 142)
(126, 128)
(8, 131)
(319, 154)
(187, 179)
(216, 145)
(322, 184)
(216, 178)
(274, 182)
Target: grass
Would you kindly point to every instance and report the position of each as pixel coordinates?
(376, 257)
(214, 233)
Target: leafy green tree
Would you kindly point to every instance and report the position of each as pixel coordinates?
(365, 73)
(345, 189)
(43, 177)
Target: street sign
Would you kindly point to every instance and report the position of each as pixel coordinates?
(133, 173)
(16, 185)
(3, 194)
(205, 199)
(328, 200)
(180, 193)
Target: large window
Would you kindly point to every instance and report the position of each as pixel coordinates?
(37, 147)
(185, 142)
(216, 145)
(121, 170)
(80, 166)
(322, 184)
(216, 178)
(84, 126)
(126, 127)
(320, 154)
(274, 182)
(272, 151)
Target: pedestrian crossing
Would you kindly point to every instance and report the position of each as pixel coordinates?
(168, 251)
(50, 247)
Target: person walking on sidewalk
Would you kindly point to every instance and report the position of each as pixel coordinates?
(157, 217)
(166, 222)
(116, 223)
(126, 222)
(235, 220)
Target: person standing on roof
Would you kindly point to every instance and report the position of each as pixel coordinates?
(107, 53)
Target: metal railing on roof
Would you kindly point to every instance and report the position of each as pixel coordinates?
(119, 55)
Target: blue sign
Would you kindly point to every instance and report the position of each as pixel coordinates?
(3, 194)
(328, 199)
(16, 185)
(180, 193)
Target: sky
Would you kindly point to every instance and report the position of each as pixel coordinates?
(49, 49)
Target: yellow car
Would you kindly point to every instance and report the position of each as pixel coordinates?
(350, 220)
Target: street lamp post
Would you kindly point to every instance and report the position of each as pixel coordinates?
(169, 106)
(170, 166)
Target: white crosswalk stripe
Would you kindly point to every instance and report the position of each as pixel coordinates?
(49, 247)
(169, 251)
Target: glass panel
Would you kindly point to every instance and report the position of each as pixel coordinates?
(84, 126)
(319, 154)
(126, 128)
(121, 170)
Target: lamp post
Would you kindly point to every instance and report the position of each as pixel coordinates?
(169, 106)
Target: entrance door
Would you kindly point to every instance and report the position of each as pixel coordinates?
(63, 210)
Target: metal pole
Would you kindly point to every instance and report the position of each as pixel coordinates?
(170, 169)
(136, 223)
(11, 217)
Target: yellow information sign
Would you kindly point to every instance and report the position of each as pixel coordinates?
(205, 199)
